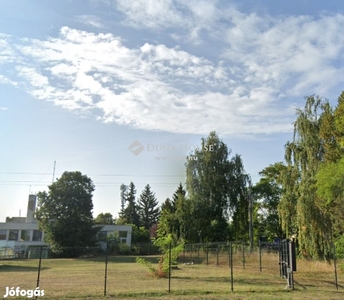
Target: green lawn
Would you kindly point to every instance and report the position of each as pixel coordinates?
(84, 279)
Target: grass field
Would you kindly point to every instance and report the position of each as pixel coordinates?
(84, 279)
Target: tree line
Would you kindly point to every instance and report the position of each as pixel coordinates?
(301, 196)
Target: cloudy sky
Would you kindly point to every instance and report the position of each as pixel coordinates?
(90, 83)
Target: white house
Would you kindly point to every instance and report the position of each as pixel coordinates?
(22, 231)
(18, 232)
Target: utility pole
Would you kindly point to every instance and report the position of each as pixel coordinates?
(54, 171)
(250, 213)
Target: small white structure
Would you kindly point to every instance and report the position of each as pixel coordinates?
(122, 231)
(21, 231)
(18, 232)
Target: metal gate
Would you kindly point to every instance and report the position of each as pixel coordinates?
(287, 261)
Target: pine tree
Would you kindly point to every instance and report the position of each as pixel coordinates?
(180, 191)
(148, 208)
(123, 193)
(131, 211)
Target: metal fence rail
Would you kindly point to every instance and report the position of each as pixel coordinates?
(201, 267)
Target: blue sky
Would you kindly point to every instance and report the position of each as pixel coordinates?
(80, 81)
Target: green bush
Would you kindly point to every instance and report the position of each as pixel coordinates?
(339, 244)
(124, 249)
(164, 244)
(155, 272)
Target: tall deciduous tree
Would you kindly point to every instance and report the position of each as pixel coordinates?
(148, 208)
(176, 216)
(104, 218)
(303, 157)
(238, 182)
(331, 172)
(267, 193)
(207, 187)
(167, 223)
(65, 214)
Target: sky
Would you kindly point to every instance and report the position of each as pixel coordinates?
(123, 90)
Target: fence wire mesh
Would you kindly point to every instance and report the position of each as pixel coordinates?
(201, 268)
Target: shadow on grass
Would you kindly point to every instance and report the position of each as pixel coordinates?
(11, 268)
(240, 281)
(300, 285)
(333, 283)
(121, 258)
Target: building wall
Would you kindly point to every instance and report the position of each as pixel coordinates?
(28, 234)
(20, 234)
(16, 220)
(124, 232)
(19, 231)
(31, 208)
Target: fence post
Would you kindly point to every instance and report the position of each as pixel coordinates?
(207, 251)
(191, 253)
(231, 262)
(39, 267)
(217, 255)
(229, 256)
(169, 267)
(280, 257)
(335, 265)
(243, 255)
(106, 266)
(260, 257)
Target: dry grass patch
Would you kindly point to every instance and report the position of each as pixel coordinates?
(84, 279)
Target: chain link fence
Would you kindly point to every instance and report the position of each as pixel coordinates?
(201, 268)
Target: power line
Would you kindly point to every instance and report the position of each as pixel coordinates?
(25, 183)
(100, 175)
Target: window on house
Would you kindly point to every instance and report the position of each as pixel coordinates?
(123, 234)
(25, 235)
(3, 233)
(14, 234)
(102, 235)
(37, 236)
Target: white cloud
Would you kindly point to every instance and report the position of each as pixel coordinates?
(3, 108)
(35, 79)
(264, 62)
(291, 56)
(190, 15)
(152, 13)
(7, 53)
(90, 20)
(5, 80)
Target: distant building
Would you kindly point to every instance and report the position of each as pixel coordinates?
(124, 233)
(18, 232)
(22, 231)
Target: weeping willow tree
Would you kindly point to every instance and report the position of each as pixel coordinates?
(301, 210)
(330, 177)
(289, 179)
